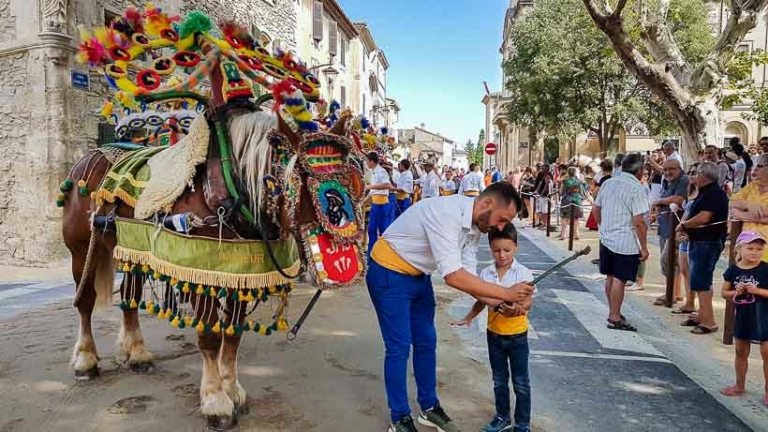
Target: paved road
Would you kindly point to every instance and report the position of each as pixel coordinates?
(586, 377)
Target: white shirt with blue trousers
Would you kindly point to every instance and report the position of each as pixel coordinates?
(437, 235)
(380, 216)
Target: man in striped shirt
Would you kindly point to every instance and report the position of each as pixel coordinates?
(619, 209)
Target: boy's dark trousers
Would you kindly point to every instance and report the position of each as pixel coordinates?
(511, 353)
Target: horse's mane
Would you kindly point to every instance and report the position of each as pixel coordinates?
(252, 152)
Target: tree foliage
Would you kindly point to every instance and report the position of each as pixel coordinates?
(565, 78)
(474, 152)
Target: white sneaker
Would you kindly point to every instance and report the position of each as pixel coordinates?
(632, 286)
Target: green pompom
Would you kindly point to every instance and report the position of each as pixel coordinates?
(235, 295)
(123, 305)
(195, 322)
(142, 305)
(238, 330)
(66, 185)
(157, 309)
(172, 317)
(222, 293)
(84, 191)
(60, 203)
(207, 329)
(195, 22)
(181, 324)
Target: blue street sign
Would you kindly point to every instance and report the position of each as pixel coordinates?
(81, 80)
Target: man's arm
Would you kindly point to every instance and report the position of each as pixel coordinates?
(464, 281)
(642, 235)
(701, 219)
(382, 186)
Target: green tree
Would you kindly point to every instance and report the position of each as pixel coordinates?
(669, 47)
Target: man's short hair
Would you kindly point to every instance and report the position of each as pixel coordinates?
(633, 163)
(606, 165)
(373, 157)
(618, 159)
(738, 148)
(733, 141)
(763, 140)
(504, 193)
(509, 232)
(406, 164)
(709, 170)
(472, 166)
(668, 145)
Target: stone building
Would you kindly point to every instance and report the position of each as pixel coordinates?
(48, 124)
(421, 144)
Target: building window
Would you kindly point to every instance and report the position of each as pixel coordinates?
(317, 20)
(343, 97)
(343, 50)
(745, 48)
(333, 38)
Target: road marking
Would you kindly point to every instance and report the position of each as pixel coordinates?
(15, 292)
(598, 356)
(591, 313)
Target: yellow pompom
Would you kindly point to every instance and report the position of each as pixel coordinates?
(167, 313)
(174, 282)
(133, 304)
(150, 307)
(185, 288)
(230, 330)
(200, 326)
(175, 322)
(188, 321)
(240, 296)
(81, 183)
(145, 269)
(157, 275)
(249, 325)
(200, 290)
(249, 297)
(217, 327)
(126, 268)
(282, 324)
(93, 195)
(263, 330)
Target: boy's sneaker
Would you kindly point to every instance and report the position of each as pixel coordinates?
(405, 424)
(498, 424)
(633, 286)
(437, 418)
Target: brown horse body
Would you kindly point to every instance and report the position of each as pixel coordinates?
(221, 394)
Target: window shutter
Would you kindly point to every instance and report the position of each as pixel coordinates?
(317, 20)
(343, 47)
(343, 97)
(333, 38)
(106, 134)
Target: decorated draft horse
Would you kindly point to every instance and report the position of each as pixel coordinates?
(224, 219)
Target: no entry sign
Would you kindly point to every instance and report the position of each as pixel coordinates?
(490, 149)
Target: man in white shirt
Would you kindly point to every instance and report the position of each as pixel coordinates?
(619, 211)
(671, 152)
(430, 186)
(439, 234)
(404, 186)
(473, 183)
(379, 216)
(448, 187)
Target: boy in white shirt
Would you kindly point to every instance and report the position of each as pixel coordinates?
(507, 334)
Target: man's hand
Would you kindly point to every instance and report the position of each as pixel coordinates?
(526, 305)
(644, 254)
(518, 292)
(462, 322)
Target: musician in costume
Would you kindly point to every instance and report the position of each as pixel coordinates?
(473, 183)
(431, 182)
(379, 217)
(404, 186)
(439, 234)
(448, 187)
(392, 192)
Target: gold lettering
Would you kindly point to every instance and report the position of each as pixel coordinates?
(241, 258)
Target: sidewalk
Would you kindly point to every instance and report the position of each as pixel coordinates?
(57, 270)
(703, 358)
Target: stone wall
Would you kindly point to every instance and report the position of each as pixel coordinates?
(47, 126)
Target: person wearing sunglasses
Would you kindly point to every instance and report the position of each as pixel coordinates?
(746, 284)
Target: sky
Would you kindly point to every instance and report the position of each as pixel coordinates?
(440, 52)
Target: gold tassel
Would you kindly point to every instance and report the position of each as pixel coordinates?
(217, 328)
(188, 321)
(133, 304)
(175, 322)
(230, 330)
(200, 326)
(200, 290)
(185, 288)
(150, 308)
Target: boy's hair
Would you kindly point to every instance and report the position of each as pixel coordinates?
(509, 232)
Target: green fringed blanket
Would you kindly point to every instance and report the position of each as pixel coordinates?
(128, 178)
(203, 260)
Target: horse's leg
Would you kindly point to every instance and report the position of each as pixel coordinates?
(228, 359)
(130, 341)
(215, 404)
(85, 359)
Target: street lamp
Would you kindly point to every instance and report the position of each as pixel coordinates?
(330, 75)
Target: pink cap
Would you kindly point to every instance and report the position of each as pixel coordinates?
(749, 237)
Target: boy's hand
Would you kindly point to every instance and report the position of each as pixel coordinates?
(462, 322)
(518, 292)
(509, 311)
(751, 288)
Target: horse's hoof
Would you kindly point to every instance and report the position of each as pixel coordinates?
(222, 423)
(242, 410)
(142, 367)
(87, 375)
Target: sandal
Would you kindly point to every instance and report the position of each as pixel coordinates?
(689, 323)
(701, 330)
(623, 318)
(681, 311)
(621, 325)
(731, 391)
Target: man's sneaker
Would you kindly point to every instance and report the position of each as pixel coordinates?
(632, 286)
(522, 428)
(498, 424)
(405, 424)
(437, 418)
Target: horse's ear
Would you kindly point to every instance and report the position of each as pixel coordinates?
(340, 127)
(286, 130)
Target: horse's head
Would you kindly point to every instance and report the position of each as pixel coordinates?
(321, 193)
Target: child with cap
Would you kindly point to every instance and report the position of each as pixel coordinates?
(746, 284)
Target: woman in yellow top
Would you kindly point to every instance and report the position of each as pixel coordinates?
(750, 204)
